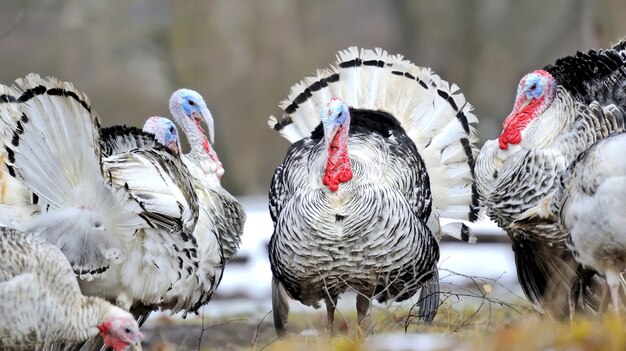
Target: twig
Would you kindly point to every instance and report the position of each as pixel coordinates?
(470, 293)
(258, 327)
(270, 343)
(226, 322)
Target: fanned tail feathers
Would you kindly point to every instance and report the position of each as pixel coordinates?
(52, 142)
(36, 135)
(434, 114)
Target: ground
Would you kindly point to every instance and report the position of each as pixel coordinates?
(498, 329)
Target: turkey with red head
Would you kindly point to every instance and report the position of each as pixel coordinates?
(558, 113)
(41, 304)
(381, 149)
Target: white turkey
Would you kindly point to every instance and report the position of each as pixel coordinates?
(559, 112)
(357, 201)
(119, 205)
(220, 213)
(207, 229)
(41, 303)
(589, 204)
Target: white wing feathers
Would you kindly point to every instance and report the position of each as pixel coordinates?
(92, 206)
(150, 184)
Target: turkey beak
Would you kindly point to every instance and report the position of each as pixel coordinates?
(523, 105)
(202, 116)
(136, 346)
(519, 106)
(208, 119)
(173, 145)
(329, 133)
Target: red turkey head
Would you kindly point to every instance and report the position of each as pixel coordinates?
(120, 330)
(336, 120)
(535, 93)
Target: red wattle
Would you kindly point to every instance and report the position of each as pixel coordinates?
(115, 343)
(205, 143)
(516, 122)
(118, 345)
(207, 147)
(337, 166)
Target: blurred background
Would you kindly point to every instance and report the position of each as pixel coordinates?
(243, 56)
(128, 56)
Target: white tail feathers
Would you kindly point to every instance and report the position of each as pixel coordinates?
(434, 114)
(51, 137)
(459, 231)
(52, 143)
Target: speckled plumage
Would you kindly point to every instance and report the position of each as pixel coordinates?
(40, 301)
(589, 95)
(410, 148)
(372, 234)
(590, 202)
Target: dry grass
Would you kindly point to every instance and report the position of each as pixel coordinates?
(467, 320)
(522, 334)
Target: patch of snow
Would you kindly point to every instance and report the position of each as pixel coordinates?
(410, 342)
(246, 285)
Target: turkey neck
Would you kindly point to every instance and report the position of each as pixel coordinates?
(338, 167)
(201, 149)
(84, 324)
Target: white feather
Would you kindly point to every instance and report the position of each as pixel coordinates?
(105, 227)
(431, 110)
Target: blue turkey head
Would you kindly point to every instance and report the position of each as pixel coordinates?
(191, 110)
(335, 116)
(165, 132)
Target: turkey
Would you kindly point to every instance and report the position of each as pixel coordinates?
(357, 201)
(220, 213)
(13, 193)
(119, 205)
(559, 112)
(589, 204)
(207, 226)
(41, 303)
(165, 132)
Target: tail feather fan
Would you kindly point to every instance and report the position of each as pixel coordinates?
(434, 114)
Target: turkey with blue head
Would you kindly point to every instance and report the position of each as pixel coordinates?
(165, 132)
(120, 206)
(558, 113)
(221, 217)
(381, 150)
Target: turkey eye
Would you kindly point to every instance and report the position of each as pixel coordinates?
(172, 130)
(127, 331)
(191, 103)
(533, 87)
